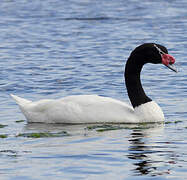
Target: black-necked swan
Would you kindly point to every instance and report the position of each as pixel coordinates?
(98, 109)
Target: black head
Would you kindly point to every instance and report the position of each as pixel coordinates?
(148, 53)
(153, 53)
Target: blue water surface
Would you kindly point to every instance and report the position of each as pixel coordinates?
(58, 48)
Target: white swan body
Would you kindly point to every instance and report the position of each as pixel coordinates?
(88, 109)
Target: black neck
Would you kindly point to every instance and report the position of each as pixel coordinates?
(135, 91)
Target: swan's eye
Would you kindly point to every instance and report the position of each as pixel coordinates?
(159, 50)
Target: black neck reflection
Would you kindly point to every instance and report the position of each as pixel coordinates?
(144, 152)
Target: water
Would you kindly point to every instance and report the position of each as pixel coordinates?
(58, 48)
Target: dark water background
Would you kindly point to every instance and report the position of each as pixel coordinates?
(58, 48)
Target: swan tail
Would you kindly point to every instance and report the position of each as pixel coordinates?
(20, 101)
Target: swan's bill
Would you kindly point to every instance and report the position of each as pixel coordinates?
(172, 67)
(169, 61)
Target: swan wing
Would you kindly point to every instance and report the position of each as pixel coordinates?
(77, 109)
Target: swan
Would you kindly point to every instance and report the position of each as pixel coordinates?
(97, 109)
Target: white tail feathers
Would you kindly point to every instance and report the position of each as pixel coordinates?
(20, 101)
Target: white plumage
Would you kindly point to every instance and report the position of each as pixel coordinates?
(88, 109)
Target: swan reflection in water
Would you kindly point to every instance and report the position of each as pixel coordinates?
(145, 147)
(148, 153)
